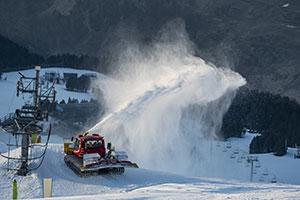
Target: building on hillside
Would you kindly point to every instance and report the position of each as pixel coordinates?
(51, 76)
(67, 76)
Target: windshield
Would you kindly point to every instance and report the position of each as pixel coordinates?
(91, 144)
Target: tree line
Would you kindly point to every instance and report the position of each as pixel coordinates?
(16, 57)
(275, 117)
(81, 83)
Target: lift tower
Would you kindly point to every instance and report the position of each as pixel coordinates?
(24, 122)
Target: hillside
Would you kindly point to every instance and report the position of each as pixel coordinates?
(259, 39)
(13, 56)
(8, 87)
(219, 169)
(145, 183)
(16, 57)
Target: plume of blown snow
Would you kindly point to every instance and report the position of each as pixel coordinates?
(164, 103)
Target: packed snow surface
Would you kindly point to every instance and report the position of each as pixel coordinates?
(143, 183)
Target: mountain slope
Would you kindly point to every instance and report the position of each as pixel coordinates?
(135, 183)
(259, 39)
(14, 56)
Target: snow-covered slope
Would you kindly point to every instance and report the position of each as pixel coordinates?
(222, 167)
(138, 183)
(283, 169)
(9, 102)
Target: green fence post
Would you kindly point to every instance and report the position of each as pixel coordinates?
(15, 190)
(33, 138)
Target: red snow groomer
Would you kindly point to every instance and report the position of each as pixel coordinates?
(86, 155)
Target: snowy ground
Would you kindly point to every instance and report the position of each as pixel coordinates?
(226, 173)
(139, 183)
(12, 102)
(202, 189)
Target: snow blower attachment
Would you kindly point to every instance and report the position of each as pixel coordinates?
(86, 155)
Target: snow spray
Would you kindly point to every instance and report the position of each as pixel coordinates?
(164, 104)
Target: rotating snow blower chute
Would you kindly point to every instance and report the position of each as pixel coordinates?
(87, 155)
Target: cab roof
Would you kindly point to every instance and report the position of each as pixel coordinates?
(90, 137)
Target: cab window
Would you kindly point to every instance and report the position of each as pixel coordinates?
(76, 144)
(91, 144)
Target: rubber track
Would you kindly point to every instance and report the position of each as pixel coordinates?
(104, 171)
